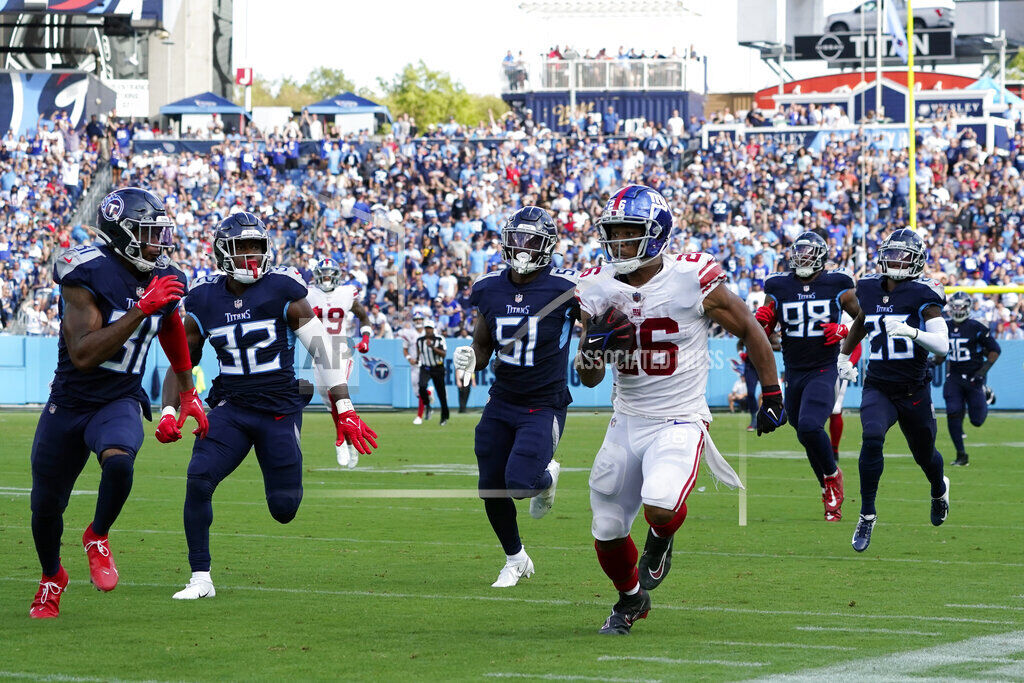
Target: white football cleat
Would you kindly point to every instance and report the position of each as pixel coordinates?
(343, 454)
(513, 571)
(418, 420)
(199, 586)
(353, 456)
(540, 504)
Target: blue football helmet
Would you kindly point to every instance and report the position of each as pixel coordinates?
(635, 205)
(131, 218)
(528, 240)
(901, 255)
(808, 254)
(236, 228)
(326, 274)
(959, 306)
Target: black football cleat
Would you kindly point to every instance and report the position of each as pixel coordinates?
(628, 609)
(940, 506)
(655, 561)
(961, 460)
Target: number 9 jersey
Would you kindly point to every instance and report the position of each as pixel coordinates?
(668, 371)
(333, 307)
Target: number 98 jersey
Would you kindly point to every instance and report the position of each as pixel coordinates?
(530, 326)
(252, 340)
(801, 309)
(896, 361)
(667, 372)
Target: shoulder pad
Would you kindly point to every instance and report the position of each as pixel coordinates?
(287, 271)
(595, 271)
(73, 258)
(870, 276)
(566, 274)
(772, 276)
(934, 286)
(843, 274)
(205, 280)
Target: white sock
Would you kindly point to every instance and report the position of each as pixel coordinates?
(202, 576)
(634, 590)
(868, 517)
(518, 557)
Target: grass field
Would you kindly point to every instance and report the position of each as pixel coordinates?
(385, 574)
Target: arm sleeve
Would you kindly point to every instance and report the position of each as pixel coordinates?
(174, 342)
(934, 337)
(988, 342)
(327, 357)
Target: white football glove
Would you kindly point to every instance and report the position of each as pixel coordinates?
(464, 361)
(847, 370)
(897, 328)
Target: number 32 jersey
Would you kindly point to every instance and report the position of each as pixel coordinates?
(530, 326)
(667, 372)
(801, 309)
(252, 340)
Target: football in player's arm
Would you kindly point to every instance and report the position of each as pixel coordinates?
(901, 312)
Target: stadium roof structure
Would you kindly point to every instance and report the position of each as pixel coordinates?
(203, 103)
(347, 103)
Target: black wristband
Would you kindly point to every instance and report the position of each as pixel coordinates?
(771, 389)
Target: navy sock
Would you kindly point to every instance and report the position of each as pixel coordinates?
(198, 518)
(46, 532)
(819, 452)
(501, 513)
(955, 422)
(115, 485)
(871, 465)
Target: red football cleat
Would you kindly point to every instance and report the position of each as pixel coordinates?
(46, 604)
(833, 497)
(102, 570)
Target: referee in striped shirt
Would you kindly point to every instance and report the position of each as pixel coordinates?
(431, 350)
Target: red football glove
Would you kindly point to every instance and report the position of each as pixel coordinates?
(765, 315)
(160, 292)
(192, 406)
(352, 429)
(167, 430)
(834, 333)
(364, 345)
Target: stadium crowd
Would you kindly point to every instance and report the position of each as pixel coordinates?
(415, 219)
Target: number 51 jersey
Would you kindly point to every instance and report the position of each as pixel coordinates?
(667, 373)
(801, 309)
(250, 335)
(530, 326)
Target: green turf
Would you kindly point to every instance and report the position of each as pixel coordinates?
(366, 587)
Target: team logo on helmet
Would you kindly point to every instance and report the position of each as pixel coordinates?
(112, 207)
(379, 369)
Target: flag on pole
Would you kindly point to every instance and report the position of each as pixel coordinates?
(895, 28)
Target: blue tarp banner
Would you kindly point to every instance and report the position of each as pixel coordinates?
(382, 377)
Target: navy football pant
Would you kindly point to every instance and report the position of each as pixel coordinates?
(810, 397)
(514, 445)
(63, 440)
(913, 411)
(751, 379)
(960, 392)
(233, 431)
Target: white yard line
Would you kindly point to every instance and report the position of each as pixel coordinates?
(1006, 607)
(670, 660)
(882, 631)
(567, 677)
(795, 646)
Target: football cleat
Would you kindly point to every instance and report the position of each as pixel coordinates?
(513, 571)
(417, 420)
(655, 561)
(751, 428)
(940, 506)
(628, 609)
(961, 460)
(353, 456)
(832, 497)
(342, 454)
(862, 534)
(199, 586)
(426, 414)
(102, 570)
(540, 504)
(46, 604)
(442, 423)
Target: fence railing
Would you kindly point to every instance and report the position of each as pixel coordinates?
(604, 74)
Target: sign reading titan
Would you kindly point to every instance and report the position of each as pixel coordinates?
(843, 48)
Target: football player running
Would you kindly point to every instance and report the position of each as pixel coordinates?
(647, 314)
(526, 314)
(332, 302)
(114, 299)
(972, 352)
(251, 313)
(409, 336)
(901, 314)
(808, 302)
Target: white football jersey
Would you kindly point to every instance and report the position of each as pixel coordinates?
(333, 307)
(668, 373)
(409, 335)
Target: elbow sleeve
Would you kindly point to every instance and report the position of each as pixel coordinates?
(329, 353)
(175, 343)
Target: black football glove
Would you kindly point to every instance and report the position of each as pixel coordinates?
(610, 331)
(771, 415)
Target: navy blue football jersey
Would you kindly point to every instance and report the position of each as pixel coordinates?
(897, 360)
(530, 369)
(116, 290)
(969, 344)
(250, 335)
(801, 309)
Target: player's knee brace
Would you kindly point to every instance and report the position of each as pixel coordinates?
(199, 489)
(119, 465)
(283, 506)
(606, 527)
